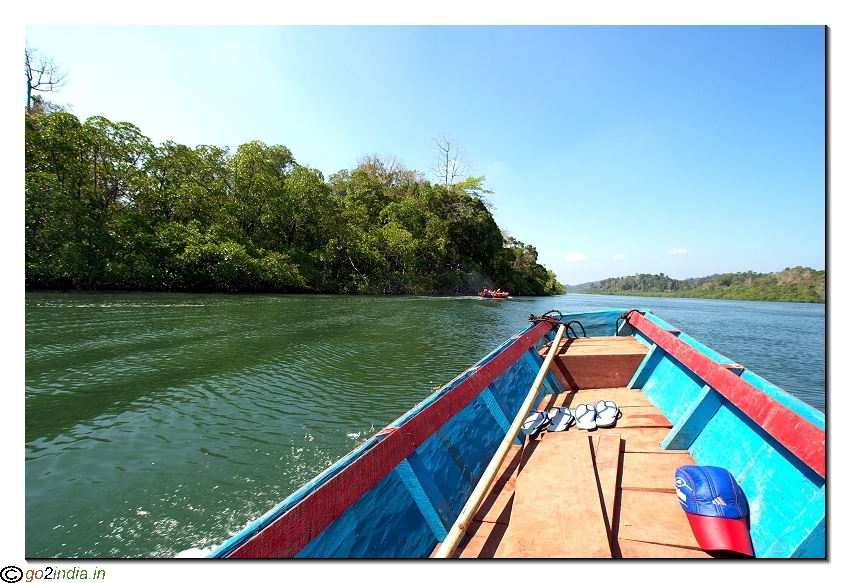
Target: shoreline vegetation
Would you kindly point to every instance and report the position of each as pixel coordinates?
(798, 284)
(106, 209)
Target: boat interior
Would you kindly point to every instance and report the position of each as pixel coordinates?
(603, 493)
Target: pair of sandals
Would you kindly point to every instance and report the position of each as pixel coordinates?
(603, 414)
(555, 419)
(587, 416)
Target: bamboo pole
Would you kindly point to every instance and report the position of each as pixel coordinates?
(448, 546)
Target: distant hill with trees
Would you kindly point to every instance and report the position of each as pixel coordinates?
(797, 284)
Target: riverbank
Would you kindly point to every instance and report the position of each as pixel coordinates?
(798, 284)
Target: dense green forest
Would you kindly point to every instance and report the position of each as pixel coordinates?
(800, 284)
(107, 209)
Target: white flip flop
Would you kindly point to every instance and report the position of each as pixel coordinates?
(585, 416)
(606, 413)
(561, 418)
(535, 423)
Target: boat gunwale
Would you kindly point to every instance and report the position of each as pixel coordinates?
(805, 440)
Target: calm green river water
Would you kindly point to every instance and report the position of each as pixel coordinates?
(161, 422)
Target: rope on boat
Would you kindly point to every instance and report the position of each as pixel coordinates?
(625, 318)
(546, 317)
(570, 329)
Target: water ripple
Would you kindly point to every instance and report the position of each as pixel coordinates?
(161, 422)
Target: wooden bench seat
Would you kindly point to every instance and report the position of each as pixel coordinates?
(592, 363)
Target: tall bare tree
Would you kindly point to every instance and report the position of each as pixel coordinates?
(450, 160)
(389, 169)
(43, 74)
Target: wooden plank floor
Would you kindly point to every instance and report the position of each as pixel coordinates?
(556, 511)
(625, 473)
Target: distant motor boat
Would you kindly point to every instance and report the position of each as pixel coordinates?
(490, 293)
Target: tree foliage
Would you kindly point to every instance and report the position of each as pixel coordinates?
(108, 209)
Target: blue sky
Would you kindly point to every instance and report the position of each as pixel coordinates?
(614, 150)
